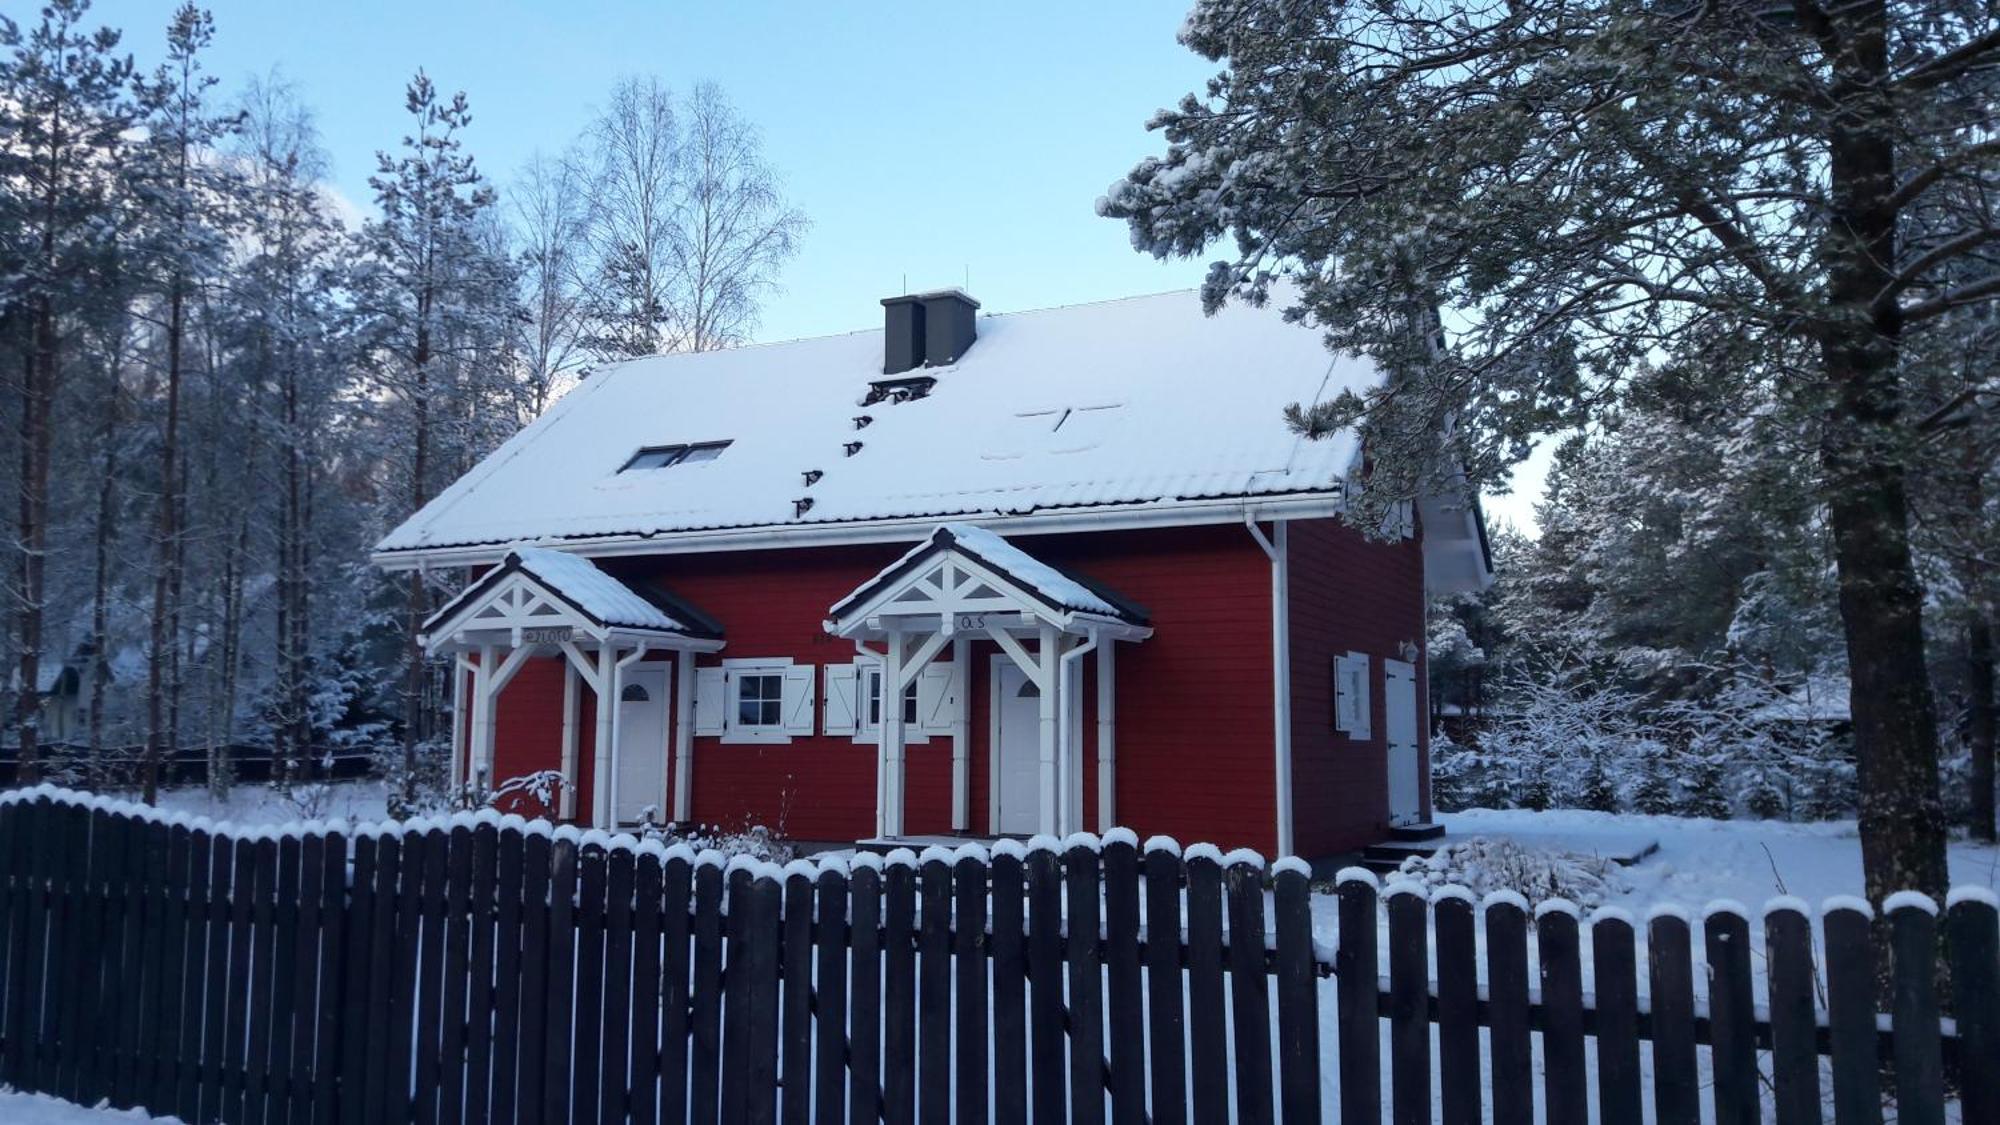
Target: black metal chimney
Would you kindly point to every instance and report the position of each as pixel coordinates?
(927, 329)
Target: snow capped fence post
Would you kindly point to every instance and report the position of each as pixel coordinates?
(1616, 969)
(1010, 985)
(1971, 919)
(934, 987)
(1208, 1030)
(1506, 915)
(736, 978)
(1458, 1006)
(761, 1036)
(186, 1100)
(1358, 978)
(648, 965)
(899, 1048)
(528, 1063)
(864, 1036)
(1409, 1003)
(503, 1058)
(616, 1078)
(587, 996)
(1794, 1018)
(1568, 1087)
(1249, 988)
(1165, 993)
(334, 967)
(1670, 975)
(1045, 1012)
(1914, 1008)
(795, 1018)
(830, 994)
(1731, 1013)
(1298, 993)
(1126, 1001)
(969, 955)
(1086, 981)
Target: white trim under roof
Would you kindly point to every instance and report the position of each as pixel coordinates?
(1108, 517)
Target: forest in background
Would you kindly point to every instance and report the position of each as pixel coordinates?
(219, 390)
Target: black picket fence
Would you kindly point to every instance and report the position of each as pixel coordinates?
(484, 969)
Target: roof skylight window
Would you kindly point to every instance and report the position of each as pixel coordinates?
(667, 456)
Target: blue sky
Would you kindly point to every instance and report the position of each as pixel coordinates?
(945, 144)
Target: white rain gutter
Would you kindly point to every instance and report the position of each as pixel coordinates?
(769, 537)
(1281, 673)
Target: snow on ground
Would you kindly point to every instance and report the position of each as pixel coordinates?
(40, 1109)
(263, 804)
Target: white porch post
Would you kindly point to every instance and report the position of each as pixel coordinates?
(1051, 677)
(683, 736)
(482, 716)
(607, 711)
(568, 802)
(460, 721)
(961, 735)
(1107, 737)
(892, 734)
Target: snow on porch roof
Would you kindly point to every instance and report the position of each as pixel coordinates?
(1136, 402)
(1055, 588)
(604, 599)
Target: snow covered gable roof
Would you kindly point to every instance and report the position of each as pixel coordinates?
(602, 599)
(1053, 587)
(1137, 402)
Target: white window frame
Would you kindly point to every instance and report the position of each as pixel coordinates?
(1353, 691)
(867, 685)
(733, 673)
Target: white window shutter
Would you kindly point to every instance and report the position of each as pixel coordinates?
(841, 694)
(799, 682)
(937, 700)
(1351, 708)
(711, 701)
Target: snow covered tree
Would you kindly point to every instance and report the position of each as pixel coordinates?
(1584, 187)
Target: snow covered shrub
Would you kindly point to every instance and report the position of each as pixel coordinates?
(755, 841)
(1483, 864)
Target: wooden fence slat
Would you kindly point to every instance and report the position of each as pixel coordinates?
(280, 1087)
(1567, 1082)
(1914, 1010)
(357, 990)
(263, 943)
(899, 1008)
(1459, 1068)
(1049, 1094)
(1731, 1016)
(97, 935)
(1010, 984)
(587, 994)
(1208, 1036)
(532, 1039)
(560, 986)
(1614, 962)
(427, 928)
(829, 1101)
(970, 986)
(1409, 1003)
(10, 970)
(864, 993)
(705, 1005)
(334, 965)
(736, 980)
(1850, 1002)
(459, 927)
(1165, 983)
(406, 993)
(796, 1016)
(761, 1037)
(126, 835)
(1973, 938)
(615, 1078)
(1794, 1016)
(186, 1103)
(385, 1102)
(70, 972)
(1357, 985)
(298, 952)
(514, 875)
(22, 978)
(1670, 969)
(1506, 919)
(1126, 995)
(242, 904)
(643, 1088)
(1086, 984)
(934, 987)
(1249, 989)
(1298, 995)
(677, 899)
(33, 1033)
(482, 965)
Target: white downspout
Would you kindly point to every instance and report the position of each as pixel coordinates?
(1281, 674)
(568, 804)
(1072, 756)
(1107, 737)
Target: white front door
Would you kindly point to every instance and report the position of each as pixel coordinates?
(1017, 710)
(1399, 705)
(642, 746)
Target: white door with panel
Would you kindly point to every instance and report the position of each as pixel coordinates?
(642, 745)
(1402, 712)
(1017, 711)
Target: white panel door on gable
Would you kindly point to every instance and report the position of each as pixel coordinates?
(1401, 714)
(642, 745)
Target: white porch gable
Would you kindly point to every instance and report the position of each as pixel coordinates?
(548, 601)
(964, 583)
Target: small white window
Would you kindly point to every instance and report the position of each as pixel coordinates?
(755, 701)
(1351, 712)
(854, 702)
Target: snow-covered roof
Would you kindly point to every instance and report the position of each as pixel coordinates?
(1055, 588)
(602, 598)
(1143, 401)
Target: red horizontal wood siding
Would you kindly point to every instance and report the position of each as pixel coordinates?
(1348, 594)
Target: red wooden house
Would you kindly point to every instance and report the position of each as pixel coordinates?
(1078, 548)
